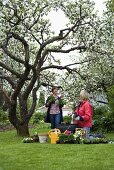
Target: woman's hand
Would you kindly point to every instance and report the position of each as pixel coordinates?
(79, 118)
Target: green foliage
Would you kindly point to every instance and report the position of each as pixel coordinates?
(62, 102)
(98, 115)
(111, 5)
(41, 101)
(67, 119)
(102, 119)
(110, 93)
(37, 117)
(51, 99)
(3, 116)
(64, 138)
(101, 111)
(108, 124)
(42, 127)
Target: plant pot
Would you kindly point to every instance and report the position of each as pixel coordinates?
(43, 137)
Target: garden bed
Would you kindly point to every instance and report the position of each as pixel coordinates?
(5, 127)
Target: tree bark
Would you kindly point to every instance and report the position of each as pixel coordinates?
(1, 99)
(23, 130)
(18, 120)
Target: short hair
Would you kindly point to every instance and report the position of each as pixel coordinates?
(84, 94)
(53, 88)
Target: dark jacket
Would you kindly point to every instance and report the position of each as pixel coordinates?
(51, 100)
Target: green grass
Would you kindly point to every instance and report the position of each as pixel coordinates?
(15, 155)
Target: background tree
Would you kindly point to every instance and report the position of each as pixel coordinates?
(41, 100)
(110, 93)
(111, 5)
(27, 48)
(1, 84)
(96, 64)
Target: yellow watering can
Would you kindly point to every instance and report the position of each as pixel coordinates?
(53, 134)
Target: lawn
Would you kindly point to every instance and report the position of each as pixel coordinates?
(15, 155)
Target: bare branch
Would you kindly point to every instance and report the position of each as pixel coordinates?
(31, 84)
(57, 67)
(63, 68)
(8, 80)
(74, 28)
(49, 85)
(35, 22)
(20, 83)
(35, 38)
(68, 50)
(99, 101)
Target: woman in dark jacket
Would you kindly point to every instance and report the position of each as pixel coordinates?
(54, 103)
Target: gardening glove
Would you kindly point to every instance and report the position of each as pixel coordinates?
(74, 116)
(79, 118)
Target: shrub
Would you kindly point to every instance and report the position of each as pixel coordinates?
(101, 116)
(3, 116)
(37, 117)
(108, 124)
(110, 94)
(67, 119)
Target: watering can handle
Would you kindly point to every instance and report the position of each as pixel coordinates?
(54, 130)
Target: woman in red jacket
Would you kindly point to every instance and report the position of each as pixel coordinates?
(83, 113)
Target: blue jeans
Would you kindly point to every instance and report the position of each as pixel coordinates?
(88, 131)
(55, 120)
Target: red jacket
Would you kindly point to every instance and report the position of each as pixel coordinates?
(85, 111)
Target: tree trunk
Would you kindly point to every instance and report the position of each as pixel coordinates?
(20, 119)
(1, 99)
(23, 130)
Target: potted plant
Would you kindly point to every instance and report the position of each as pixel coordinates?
(66, 138)
(67, 119)
(62, 138)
